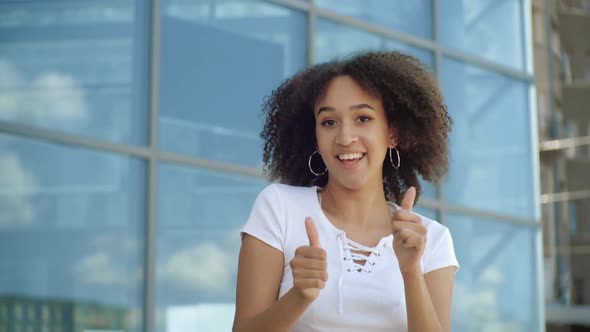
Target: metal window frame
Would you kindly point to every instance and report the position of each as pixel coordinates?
(149, 303)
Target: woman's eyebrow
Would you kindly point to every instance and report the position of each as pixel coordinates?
(353, 107)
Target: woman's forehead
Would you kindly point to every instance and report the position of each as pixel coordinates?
(345, 92)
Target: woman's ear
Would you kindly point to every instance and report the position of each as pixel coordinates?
(393, 137)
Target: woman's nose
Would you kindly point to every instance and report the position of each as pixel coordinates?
(346, 135)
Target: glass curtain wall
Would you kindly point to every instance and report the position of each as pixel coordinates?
(130, 153)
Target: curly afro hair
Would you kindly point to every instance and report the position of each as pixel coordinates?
(412, 102)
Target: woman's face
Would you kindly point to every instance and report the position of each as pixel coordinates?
(352, 134)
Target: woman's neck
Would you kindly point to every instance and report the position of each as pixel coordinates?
(361, 208)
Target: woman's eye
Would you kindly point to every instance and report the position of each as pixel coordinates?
(328, 123)
(364, 118)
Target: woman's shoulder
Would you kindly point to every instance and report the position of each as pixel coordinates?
(439, 251)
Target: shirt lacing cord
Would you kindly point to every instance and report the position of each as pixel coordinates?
(351, 258)
(353, 250)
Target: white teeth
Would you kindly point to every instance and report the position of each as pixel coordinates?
(350, 156)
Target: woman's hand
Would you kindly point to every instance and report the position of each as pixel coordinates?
(409, 235)
(309, 266)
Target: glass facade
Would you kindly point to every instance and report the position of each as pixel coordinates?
(496, 289)
(486, 28)
(76, 66)
(199, 219)
(218, 59)
(490, 140)
(71, 236)
(411, 17)
(130, 153)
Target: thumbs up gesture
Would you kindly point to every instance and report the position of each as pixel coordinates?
(309, 266)
(409, 235)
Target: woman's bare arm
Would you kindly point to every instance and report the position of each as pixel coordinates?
(428, 300)
(260, 271)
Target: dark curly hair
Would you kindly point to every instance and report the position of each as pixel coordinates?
(412, 102)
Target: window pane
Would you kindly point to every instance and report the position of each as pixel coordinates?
(335, 40)
(71, 232)
(426, 212)
(489, 28)
(496, 287)
(412, 17)
(77, 66)
(200, 215)
(490, 145)
(219, 60)
(428, 189)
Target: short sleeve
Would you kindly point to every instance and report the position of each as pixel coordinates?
(442, 253)
(266, 221)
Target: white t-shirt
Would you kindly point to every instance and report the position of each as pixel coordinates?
(356, 298)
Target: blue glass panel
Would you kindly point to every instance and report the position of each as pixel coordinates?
(71, 236)
(79, 67)
(412, 17)
(496, 286)
(426, 212)
(428, 190)
(487, 28)
(200, 215)
(335, 40)
(219, 60)
(490, 142)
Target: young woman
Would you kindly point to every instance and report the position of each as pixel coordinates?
(334, 245)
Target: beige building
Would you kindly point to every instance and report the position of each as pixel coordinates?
(561, 30)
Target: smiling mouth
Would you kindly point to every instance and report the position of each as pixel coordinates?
(350, 159)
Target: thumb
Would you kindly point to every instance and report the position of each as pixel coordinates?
(408, 200)
(312, 233)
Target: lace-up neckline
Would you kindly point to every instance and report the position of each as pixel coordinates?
(358, 257)
(352, 254)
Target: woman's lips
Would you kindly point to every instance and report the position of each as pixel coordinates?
(351, 163)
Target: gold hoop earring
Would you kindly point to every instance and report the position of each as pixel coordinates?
(396, 165)
(311, 169)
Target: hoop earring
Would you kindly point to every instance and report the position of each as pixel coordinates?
(311, 169)
(396, 165)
